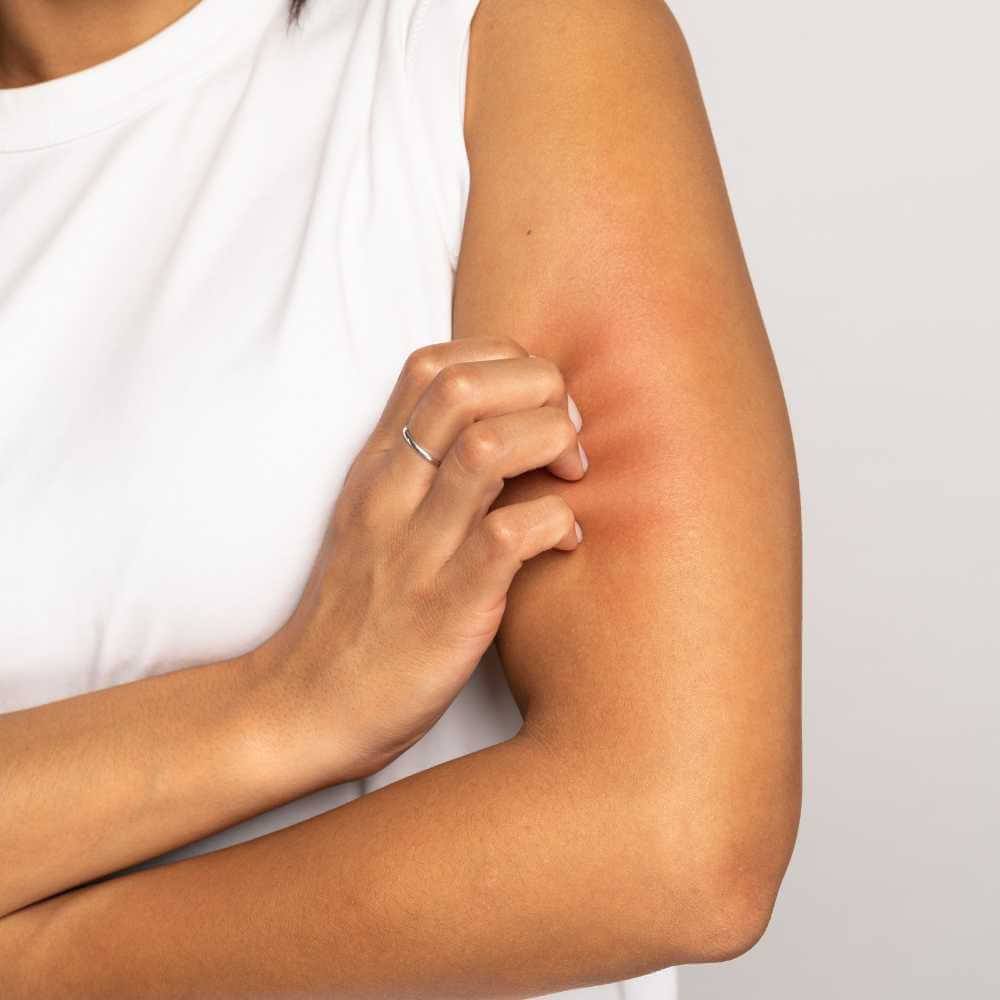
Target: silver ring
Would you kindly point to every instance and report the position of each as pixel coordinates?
(422, 452)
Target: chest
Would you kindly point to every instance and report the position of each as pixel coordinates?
(189, 362)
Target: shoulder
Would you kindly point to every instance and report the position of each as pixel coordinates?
(561, 63)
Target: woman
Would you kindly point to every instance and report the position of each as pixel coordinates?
(289, 313)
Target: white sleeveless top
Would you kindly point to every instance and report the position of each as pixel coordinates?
(216, 251)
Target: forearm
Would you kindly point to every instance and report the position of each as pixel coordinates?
(95, 783)
(503, 873)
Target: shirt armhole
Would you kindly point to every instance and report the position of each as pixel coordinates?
(436, 66)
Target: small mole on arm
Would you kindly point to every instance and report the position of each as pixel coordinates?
(529, 232)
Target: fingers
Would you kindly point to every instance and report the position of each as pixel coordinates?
(485, 453)
(408, 475)
(419, 371)
(487, 410)
(469, 391)
(490, 556)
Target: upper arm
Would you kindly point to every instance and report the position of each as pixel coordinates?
(598, 234)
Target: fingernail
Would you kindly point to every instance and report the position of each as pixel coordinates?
(583, 456)
(579, 531)
(574, 412)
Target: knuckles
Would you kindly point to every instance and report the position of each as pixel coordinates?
(423, 364)
(453, 387)
(478, 447)
(358, 508)
(502, 534)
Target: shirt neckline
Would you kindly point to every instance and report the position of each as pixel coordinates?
(68, 107)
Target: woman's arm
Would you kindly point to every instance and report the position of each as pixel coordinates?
(508, 872)
(599, 233)
(92, 784)
(645, 813)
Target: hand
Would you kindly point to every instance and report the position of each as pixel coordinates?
(411, 580)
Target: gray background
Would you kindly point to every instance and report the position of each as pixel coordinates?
(861, 146)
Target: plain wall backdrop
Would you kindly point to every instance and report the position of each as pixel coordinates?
(861, 145)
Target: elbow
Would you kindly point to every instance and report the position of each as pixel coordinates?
(728, 899)
(735, 873)
(731, 921)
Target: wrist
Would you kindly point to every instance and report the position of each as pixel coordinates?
(294, 734)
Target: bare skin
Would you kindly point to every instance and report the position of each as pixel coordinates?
(44, 39)
(645, 813)
(405, 595)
